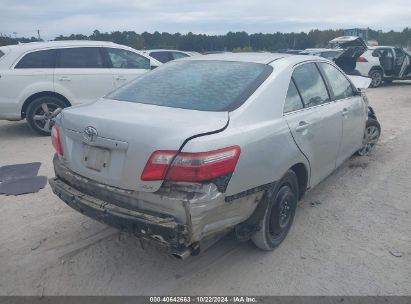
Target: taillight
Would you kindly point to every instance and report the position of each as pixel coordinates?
(56, 140)
(191, 167)
(361, 59)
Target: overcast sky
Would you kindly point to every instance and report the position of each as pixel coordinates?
(211, 17)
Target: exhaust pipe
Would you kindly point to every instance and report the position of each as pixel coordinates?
(183, 254)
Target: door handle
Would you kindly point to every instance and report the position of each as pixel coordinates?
(121, 78)
(302, 126)
(64, 78)
(344, 112)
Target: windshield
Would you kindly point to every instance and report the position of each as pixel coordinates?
(196, 84)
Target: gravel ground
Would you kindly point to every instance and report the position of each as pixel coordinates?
(351, 235)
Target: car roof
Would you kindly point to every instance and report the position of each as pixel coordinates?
(60, 43)
(264, 58)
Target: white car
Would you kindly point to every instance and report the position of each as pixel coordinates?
(37, 78)
(167, 55)
(381, 63)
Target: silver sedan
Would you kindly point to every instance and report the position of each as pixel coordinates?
(205, 145)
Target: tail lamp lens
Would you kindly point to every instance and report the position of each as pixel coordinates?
(191, 167)
(56, 140)
(361, 59)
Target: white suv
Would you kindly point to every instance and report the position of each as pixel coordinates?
(37, 78)
(381, 63)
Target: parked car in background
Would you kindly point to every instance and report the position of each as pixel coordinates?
(167, 55)
(37, 78)
(380, 63)
(329, 54)
(204, 145)
(290, 51)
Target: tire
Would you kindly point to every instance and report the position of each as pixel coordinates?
(372, 134)
(274, 227)
(376, 78)
(39, 119)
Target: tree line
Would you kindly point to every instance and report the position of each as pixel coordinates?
(232, 41)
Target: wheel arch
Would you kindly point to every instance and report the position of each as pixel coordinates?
(376, 68)
(41, 94)
(301, 172)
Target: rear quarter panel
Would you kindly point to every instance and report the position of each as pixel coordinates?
(268, 149)
(365, 67)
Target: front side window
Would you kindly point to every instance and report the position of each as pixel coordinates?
(293, 100)
(310, 85)
(123, 59)
(340, 86)
(196, 85)
(163, 57)
(82, 57)
(37, 60)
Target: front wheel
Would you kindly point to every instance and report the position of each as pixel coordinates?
(371, 136)
(41, 111)
(279, 214)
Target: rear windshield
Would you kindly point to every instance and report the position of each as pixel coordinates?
(196, 85)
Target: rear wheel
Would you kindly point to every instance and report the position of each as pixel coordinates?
(371, 136)
(279, 214)
(376, 78)
(41, 111)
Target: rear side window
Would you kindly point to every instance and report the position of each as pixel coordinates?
(340, 86)
(196, 85)
(37, 60)
(163, 57)
(310, 85)
(178, 55)
(293, 100)
(123, 59)
(83, 57)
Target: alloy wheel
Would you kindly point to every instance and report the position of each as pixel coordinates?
(376, 79)
(44, 114)
(371, 136)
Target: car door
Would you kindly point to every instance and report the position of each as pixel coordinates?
(317, 126)
(126, 65)
(351, 107)
(81, 74)
(401, 62)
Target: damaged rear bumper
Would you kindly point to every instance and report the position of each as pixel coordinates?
(164, 229)
(177, 216)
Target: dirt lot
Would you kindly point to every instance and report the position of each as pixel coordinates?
(351, 236)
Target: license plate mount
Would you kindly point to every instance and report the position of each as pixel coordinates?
(96, 158)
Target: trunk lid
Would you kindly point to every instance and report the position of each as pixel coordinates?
(348, 41)
(111, 141)
(353, 47)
